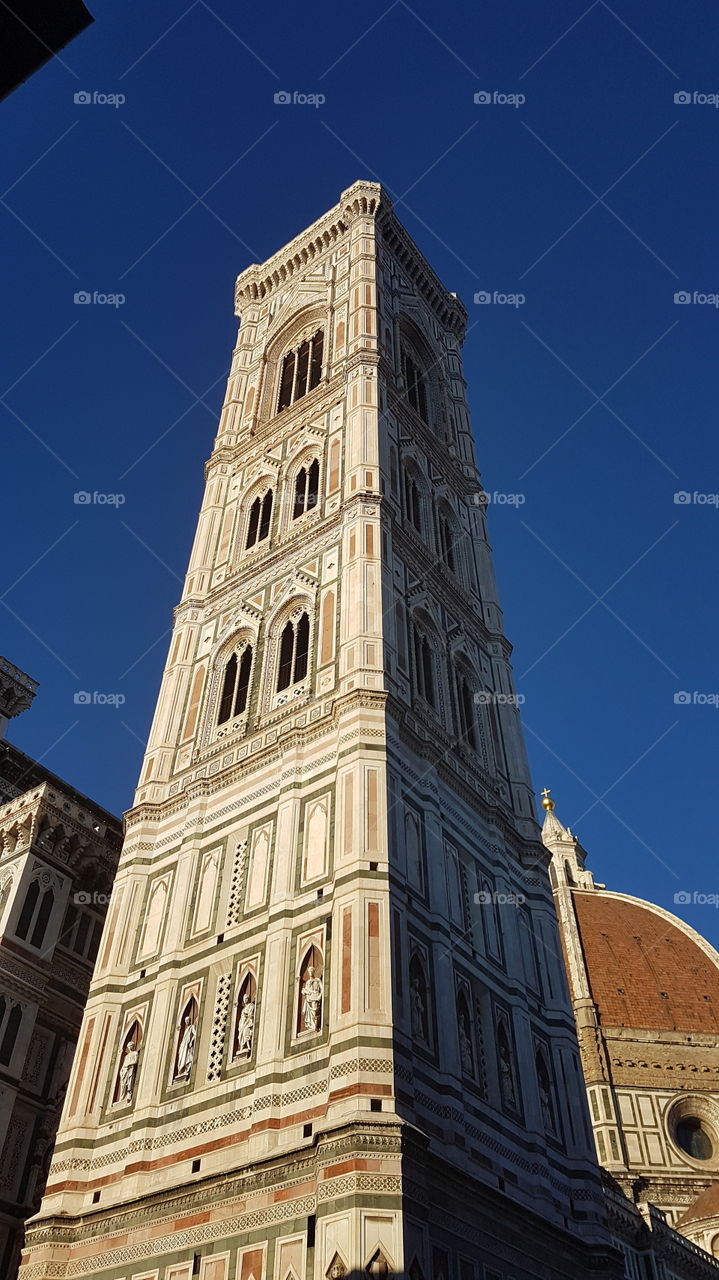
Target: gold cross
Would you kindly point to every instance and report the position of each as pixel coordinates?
(545, 793)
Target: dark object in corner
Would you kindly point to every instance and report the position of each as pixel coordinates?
(32, 32)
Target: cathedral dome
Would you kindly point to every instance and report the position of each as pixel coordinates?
(646, 968)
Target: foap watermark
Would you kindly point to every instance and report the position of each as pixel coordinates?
(685, 298)
(683, 498)
(487, 696)
(294, 98)
(83, 298)
(495, 898)
(695, 898)
(81, 899)
(83, 498)
(483, 298)
(95, 98)
(694, 98)
(495, 98)
(84, 698)
(685, 698)
(500, 499)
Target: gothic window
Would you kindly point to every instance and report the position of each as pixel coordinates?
(81, 932)
(9, 1026)
(127, 1068)
(235, 685)
(415, 382)
(412, 501)
(424, 666)
(311, 993)
(258, 527)
(35, 914)
(307, 486)
(301, 370)
(418, 1000)
(294, 652)
(466, 719)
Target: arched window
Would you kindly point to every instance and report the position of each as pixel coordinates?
(28, 909)
(294, 652)
(424, 666)
(12, 1026)
(466, 720)
(35, 914)
(306, 489)
(47, 903)
(412, 501)
(415, 383)
(235, 686)
(301, 370)
(258, 527)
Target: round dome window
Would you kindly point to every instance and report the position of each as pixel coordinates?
(693, 1125)
(694, 1138)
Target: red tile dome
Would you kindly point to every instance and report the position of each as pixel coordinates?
(646, 968)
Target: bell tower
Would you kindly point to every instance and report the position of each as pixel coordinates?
(329, 1032)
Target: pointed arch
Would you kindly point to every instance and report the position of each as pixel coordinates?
(294, 651)
(260, 516)
(378, 1266)
(234, 693)
(12, 1026)
(28, 909)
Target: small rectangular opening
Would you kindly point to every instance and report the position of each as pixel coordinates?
(95, 1197)
(373, 866)
(320, 894)
(375, 1104)
(307, 1131)
(220, 937)
(196, 1166)
(143, 972)
(311, 1221)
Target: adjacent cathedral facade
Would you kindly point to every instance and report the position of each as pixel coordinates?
(329, 1032)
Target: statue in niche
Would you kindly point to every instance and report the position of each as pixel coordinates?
(337, 1269)
(465, 1044)
(245, 1028)
(186, 1046)
(545, 1102)
(128, 1069)
(312, 1001)
(418, 1010)
(506, 1075)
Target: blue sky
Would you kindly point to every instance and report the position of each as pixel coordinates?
(595, 399)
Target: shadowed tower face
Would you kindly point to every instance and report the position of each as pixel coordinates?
(328, 1032)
